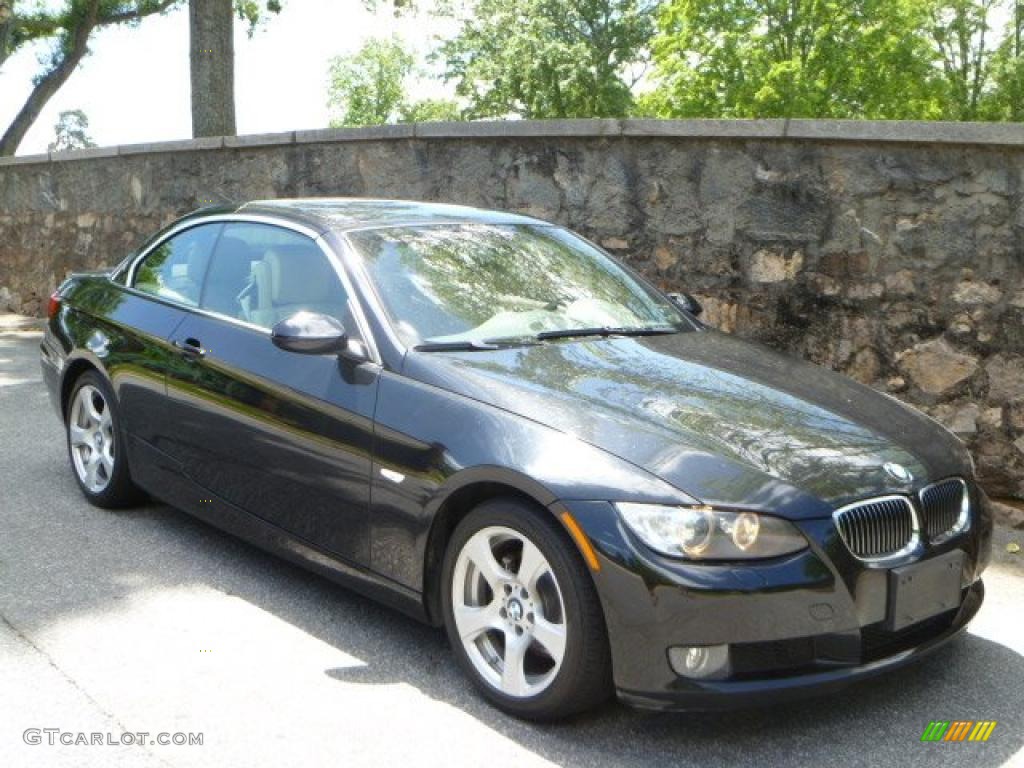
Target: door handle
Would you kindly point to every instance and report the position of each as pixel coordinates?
(190, 348)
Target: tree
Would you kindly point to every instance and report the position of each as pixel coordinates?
(369, 87)
(72, 132)
(1006, 101)
(212, 60)
(793, 58)
(961, 31)
(69, 28)
(549, 58)
(212, 67)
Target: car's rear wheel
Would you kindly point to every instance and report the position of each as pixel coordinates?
(522, 613)
(96, 445)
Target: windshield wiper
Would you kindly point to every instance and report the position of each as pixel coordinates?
(454, 346)
(473, 345)
(568, 333)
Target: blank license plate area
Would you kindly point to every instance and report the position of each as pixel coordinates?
(922, 590)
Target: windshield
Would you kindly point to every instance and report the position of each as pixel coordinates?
(448, 283)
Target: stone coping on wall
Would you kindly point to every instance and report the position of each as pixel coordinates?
(882, 131)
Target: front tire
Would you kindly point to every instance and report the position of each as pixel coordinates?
(95, 440)
(522, 614)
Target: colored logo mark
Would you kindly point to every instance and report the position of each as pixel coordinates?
(958, 730)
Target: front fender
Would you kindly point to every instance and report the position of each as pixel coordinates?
(431, 445)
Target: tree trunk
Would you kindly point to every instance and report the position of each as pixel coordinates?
(6, 29)
(212, 59)
(49, 84)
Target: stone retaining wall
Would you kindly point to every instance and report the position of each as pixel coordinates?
(893, 252)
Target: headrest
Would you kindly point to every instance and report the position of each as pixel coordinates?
(232, 260)
(300, 275)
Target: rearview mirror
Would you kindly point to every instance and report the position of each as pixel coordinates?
(310, 333)
(686, 302)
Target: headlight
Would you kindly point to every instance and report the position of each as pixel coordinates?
(704, 533)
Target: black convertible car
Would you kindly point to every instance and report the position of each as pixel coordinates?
(487, 422)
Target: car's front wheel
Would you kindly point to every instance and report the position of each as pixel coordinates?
(522, 613)
(95, 444)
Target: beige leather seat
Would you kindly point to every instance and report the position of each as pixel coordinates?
(292, 278)
(228, 276)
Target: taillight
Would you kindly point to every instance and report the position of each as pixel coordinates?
(54, 306)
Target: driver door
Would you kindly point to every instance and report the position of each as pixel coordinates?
(284, 436)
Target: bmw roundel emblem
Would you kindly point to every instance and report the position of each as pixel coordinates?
(898, 471)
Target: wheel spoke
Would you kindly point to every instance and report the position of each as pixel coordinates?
(107, 460)
(513, 675)
(532, 566)
(80, 436)
(95, 417)
(472, 620)
(92, 469)
(478, 550)
(551, 637)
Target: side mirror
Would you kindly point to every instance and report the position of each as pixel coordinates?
(310, 333)
(686, 302)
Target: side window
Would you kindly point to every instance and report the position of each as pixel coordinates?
(175, 269)
(262, 274)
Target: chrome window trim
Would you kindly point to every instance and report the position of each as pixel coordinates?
(195, 310)
(963, 521)
(910, 548)
(247, 218)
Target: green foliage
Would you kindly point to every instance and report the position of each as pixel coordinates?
(1006, 101)
(794, 58)
(72, 132)
(430, 111)
(253, 12)
(962, 34)
(369, 87)
(549, 58)
(902, 59)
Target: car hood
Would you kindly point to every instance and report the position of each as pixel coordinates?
(726, 421)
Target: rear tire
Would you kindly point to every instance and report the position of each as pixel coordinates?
(96, 444)
(522, 613)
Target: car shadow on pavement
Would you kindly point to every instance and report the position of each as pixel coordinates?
(877, 722)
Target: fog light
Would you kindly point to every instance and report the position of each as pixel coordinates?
(700, 662)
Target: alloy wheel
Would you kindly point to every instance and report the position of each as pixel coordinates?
(509, 611)
(91, 436)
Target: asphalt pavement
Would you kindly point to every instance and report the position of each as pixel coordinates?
(116, 623)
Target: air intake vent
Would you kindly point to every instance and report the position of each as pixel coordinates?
(944, 509)
(878, 528)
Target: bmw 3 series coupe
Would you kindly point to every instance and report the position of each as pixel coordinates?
(488, 423)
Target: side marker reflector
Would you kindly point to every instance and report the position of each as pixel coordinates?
(581, 541)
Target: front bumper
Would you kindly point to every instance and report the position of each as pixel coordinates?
(731, 694)
(801, 625)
